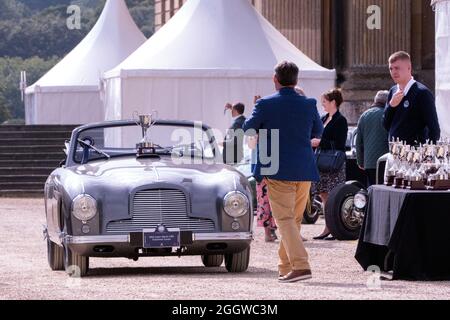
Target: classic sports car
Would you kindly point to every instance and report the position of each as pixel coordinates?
(115, 196)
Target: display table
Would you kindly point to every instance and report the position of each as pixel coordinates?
(407, 232)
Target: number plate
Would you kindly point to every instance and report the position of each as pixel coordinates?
(167, 239)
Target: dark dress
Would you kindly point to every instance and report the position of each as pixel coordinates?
(334, 136)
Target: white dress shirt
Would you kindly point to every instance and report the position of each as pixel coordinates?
(408, 86)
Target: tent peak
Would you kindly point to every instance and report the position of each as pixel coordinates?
(217, 35)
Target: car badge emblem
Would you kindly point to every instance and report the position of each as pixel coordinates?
(406, 104)
(161, 228)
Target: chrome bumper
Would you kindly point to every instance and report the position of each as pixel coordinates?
(245, 236)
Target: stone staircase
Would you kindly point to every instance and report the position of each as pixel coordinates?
(28, 154)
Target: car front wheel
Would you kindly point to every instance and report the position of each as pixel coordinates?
(212, 261)
(55, 256)
(342, 218)
(237, 262)
(74, 264)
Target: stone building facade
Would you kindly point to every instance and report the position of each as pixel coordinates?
(353, 36)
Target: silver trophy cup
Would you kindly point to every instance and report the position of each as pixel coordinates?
(145, 147)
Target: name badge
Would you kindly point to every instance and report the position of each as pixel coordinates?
(406, 104)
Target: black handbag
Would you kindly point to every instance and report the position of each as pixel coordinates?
(330, 160)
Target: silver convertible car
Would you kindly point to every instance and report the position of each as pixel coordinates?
(132, 190)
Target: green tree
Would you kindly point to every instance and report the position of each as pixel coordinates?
(11, 9)
(45, 33)
(4, 112)
(143, 13)
(10, 95)
(34, 37)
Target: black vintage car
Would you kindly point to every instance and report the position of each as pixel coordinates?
(347, 203)
(342, 199)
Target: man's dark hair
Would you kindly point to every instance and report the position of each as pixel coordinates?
(239, 107)
(287, 73)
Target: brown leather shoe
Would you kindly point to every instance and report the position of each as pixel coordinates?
(295, 276)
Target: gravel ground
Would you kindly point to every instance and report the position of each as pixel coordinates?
(336, 274)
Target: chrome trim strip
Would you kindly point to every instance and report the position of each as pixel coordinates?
(126, 238)
(97, 239)
(223, 236)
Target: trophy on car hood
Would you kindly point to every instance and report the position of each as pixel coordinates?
(146, 146)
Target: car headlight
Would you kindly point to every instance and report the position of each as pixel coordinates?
(84, 207)
(360, 201)
(235, 204)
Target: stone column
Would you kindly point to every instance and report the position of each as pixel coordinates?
(300, 21)
(364, 66)
(372, 47)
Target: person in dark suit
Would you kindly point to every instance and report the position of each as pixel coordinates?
(285, 122)
(410, 114)
(334, 138)
(233, 146)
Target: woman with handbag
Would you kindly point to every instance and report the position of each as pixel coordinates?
(330, 150)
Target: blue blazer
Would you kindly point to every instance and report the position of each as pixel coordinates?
(297, 119)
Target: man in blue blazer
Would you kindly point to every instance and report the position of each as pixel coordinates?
(285, 123)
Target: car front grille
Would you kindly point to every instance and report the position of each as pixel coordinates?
(151, 208)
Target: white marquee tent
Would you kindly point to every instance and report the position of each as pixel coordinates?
(210, 53)
(442, 8)
(70, 92)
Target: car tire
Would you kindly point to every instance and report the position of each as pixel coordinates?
(55, 256)
(237, 262)
(74, 264)
(212, 260)
(339, 200)
(312, 213)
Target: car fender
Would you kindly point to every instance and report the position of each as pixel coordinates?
(357, 184)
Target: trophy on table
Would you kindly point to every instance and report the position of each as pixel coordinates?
(393, 164)
(417, 168)
(146, 146)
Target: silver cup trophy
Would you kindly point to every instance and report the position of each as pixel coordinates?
(146, 146)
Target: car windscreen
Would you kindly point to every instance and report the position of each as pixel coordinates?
(123, 140)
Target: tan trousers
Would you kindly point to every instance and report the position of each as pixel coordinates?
(288, 201)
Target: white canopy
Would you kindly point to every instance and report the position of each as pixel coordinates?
(70, 92)
(210, 53)
(442, 8)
